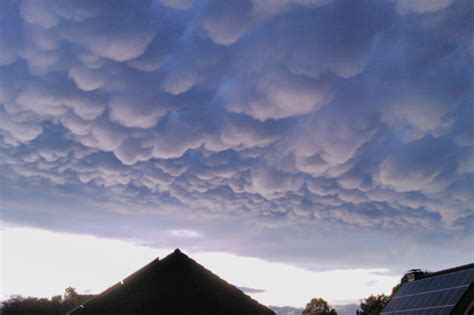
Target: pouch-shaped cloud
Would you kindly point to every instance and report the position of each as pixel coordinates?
(38, 12)
(287, 116)
(136, 111)
(179, 82)
(279, 95)
(422, 6)
(178, 4)
(227, 22)
(86, 79)
(417, 166)
(22, 131)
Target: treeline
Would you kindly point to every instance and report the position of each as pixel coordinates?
(56, 305)
(373, 305)
(60, 305)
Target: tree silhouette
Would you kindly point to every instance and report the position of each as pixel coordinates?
(373, 305)
(30, 305)
(71, 295)
(57, 305)
(318, 306)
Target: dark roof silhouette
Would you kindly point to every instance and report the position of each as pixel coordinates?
(447, 271)
(174, 285)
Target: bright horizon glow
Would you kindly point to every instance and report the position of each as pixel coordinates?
(32, 258)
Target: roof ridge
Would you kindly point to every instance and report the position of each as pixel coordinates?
(446, 271)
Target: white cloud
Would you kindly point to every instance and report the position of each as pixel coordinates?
(179, 82)
(86, 79)
(227, 23)
(22, 131)
(39, 12)
(137, 112)
(185, 233)
(279, 95)
(178, 4)
(422, 6)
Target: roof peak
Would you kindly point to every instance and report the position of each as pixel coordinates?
(156, 286)
(178, 254)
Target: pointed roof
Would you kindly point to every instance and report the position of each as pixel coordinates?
(174, 285)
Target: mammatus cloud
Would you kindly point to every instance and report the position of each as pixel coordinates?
(280, 114)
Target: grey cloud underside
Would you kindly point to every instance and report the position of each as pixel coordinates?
(352, 113)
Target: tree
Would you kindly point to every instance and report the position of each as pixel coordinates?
(71, 295)
(17, 305)
(57, 305)
(57, 299)
(319, 306)
(373, 305)
(395, 289)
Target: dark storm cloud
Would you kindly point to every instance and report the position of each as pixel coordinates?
(284, 116)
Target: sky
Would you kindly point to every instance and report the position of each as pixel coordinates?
(92, 264)
(321, 135)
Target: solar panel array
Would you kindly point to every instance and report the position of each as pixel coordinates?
(432, 295)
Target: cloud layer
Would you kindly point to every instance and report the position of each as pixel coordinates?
(289, 113)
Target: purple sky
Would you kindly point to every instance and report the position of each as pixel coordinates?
(326, 134)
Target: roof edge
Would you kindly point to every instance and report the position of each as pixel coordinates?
(446, 271)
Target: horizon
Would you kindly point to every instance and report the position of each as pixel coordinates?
(91, 265)
(311, 141)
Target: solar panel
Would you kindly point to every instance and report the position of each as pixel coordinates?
(432, 295)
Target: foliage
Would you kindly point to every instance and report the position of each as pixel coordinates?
(319, 306)
(373, 305)
(31, 305)
(57, 305)
(395, 289)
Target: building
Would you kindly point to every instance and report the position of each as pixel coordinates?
(446, 292)
(173, 285)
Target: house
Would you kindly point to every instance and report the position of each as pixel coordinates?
(446, 292)
(173, 285)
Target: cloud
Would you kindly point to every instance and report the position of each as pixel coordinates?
(185, 233)
(422, 6)
(136, 111)
(227, 22)
(179, 82)
(418, 167)
(86, 79)
(37, 12)
(178, 4)
(19, 130)
(280, 119)
(278, 95)
(251, 290)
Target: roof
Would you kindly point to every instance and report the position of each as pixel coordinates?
(446, 271)
(174, 285)
(444, 292)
